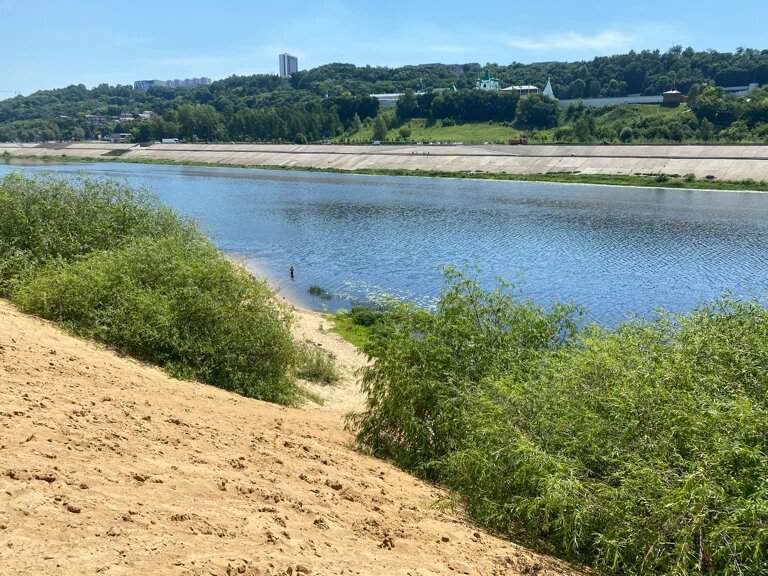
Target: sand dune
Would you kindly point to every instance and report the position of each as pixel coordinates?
(109, 466)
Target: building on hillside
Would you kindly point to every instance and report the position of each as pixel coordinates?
(97, 118)
(548, 89)
(145, 85)
(119, 137)
(288, 65)
(672, 97)
(487, 82)
(387, 100)
(740, 90)
(525, 90)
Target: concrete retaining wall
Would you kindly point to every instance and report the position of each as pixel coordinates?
(720, 162)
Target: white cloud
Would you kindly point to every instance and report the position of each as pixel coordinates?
(606, 41)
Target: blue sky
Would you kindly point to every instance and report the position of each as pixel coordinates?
(51, 44)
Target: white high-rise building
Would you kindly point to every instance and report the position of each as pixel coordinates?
(288, 65)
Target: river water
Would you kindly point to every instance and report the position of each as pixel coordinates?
(617, 251)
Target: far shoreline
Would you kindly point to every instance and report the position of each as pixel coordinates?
(610, 180)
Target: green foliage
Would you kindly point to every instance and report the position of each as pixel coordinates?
(45, 219)
(537, 111)
(316, 365)
(343, 325)
(362, 326)
(321, 103)
(113, 265)
(379, 128)
(640, 450)
(320, 292)
(426, 359)
(365, 315)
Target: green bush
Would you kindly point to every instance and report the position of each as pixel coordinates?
(176, 303)
(642, 450)
(425, 362)
(112, 264)
(316, 365)
(365, 315)
(45, 219)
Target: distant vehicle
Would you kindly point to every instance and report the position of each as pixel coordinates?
(376, 142)
(170, 140)
(327, 142)
(518, 141)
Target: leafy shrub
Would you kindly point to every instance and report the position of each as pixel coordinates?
(626, 134)
(427, 361)
(641, 450)
(365, 315)
(44, 219)
(316, 365)
(179, 304)
(113, 264)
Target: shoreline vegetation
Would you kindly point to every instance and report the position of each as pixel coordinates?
(112, 264)
(633, 450)
(685, 182)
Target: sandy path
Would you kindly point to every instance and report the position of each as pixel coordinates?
(109, 466)
(343, 396)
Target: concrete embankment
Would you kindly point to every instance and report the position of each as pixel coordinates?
(718, 162)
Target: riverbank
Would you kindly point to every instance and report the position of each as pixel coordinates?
(696, 167)
(110, 465)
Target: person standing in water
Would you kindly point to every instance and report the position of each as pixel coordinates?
(292, 273)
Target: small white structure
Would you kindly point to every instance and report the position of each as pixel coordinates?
(548, 89)
(525, 90)
(486, 82)
(387, 100)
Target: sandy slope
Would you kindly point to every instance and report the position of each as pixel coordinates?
(109, 466)
(344, 396)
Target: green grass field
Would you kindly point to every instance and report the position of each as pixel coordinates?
(608, 123)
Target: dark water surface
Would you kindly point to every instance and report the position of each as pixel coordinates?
(617, 251)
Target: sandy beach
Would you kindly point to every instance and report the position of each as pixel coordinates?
(109, 466)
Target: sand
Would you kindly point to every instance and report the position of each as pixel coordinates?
(109, 466)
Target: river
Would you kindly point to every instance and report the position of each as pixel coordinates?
(617, 251)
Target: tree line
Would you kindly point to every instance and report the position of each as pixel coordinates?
(332, 99)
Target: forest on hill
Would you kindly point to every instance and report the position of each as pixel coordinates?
(333, 101)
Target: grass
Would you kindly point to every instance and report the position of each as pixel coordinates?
(470, 133)
(361, 325)
(639, 450)
(644, 119)
(345, 326)
(316, 365)
(110, 263)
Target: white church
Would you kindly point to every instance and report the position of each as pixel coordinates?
(487, 82)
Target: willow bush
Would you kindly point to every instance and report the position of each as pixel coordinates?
(639, 450)
(45, 219)
(112, 264)
(426, 361)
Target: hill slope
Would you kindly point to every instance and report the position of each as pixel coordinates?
(110, 466)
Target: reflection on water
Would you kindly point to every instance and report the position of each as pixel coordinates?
(617, 251)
